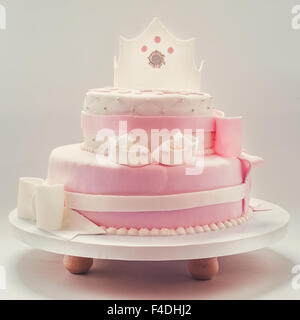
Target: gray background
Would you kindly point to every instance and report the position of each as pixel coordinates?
(53, 51)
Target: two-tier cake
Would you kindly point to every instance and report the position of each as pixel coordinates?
(157, 158)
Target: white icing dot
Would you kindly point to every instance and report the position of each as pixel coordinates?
(190, 230)
(199, 229)
(154, 232)
(228, 224)
(239, 221)
(143, 232)
(122, 231)
(214, 227)
(233, 222)
(243, 219)
(164, 231)
(180, 230)
(221, 225)
(133, 232)
(172, 232)
(111, 230)
(206, 228)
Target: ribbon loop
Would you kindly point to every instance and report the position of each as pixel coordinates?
(26, 197)
(41, 202)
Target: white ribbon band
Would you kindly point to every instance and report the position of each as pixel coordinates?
(117, 203)
(37, 200)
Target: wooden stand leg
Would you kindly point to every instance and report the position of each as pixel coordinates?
(77, 265)
(203, 269)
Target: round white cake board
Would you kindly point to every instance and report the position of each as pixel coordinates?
(262, 230)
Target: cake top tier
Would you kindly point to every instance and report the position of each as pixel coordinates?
(114, 101)
(161, 73)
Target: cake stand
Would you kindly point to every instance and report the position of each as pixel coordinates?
(201, 250)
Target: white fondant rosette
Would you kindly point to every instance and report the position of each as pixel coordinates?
(132, 150)
(125, 149)
(178, 150)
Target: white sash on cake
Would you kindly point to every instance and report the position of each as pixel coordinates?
(48, 204)
(140, 203)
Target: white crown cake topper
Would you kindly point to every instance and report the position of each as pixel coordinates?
(156, 60)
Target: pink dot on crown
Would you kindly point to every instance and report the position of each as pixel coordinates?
(170, 50)
(157, 39)
(144, 48)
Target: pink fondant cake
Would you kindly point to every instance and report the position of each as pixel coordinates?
(131, 182)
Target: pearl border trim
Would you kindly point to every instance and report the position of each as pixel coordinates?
(180, 230)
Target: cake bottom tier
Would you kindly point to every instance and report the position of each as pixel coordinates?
(82, 175)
